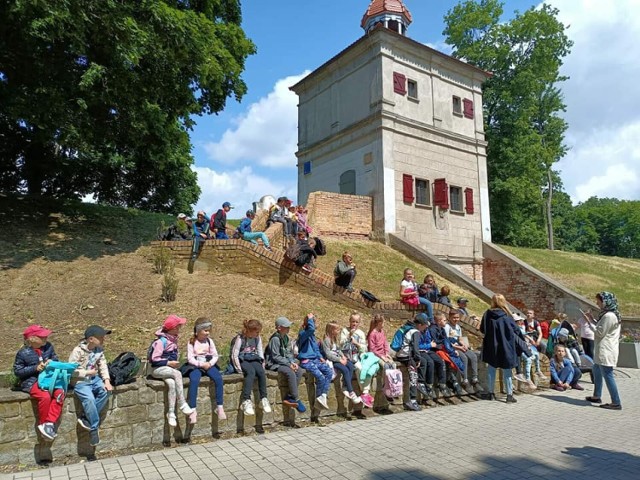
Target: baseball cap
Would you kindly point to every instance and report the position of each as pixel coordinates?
(518, 318)
(96, 331)
(283, 322)
(181, 216)
(563, 333)
(172, 321)
(421, 319)
(462, 300)
(226, 204)
(36, 331)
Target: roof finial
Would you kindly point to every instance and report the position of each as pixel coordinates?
(391, 14)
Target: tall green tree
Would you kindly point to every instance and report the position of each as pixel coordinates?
(98, 97)
(522, 106)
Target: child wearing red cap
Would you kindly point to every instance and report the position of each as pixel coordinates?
(30, 360)
(163, 356)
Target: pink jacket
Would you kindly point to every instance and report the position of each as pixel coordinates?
(378, 343)
(198, 349)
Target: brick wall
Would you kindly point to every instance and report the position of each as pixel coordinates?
(525, 287)
(333, 214)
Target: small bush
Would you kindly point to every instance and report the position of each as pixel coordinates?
(169, 282)
(161, 260)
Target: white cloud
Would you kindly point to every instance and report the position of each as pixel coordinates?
(266, 134)
(603, 101)
(240, 187)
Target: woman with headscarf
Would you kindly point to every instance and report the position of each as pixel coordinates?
(607, 337)
(499, 345)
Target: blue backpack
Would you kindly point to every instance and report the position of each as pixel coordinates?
(398, 338)
(56, 375)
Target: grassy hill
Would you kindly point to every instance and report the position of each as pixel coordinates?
(68, 265)
(589, 274)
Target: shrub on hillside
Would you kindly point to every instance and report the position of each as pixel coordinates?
(169, 282)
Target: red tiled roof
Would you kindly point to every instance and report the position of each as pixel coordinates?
(377, 7)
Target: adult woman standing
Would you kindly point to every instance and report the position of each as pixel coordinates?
(607, 335)
(499, 344)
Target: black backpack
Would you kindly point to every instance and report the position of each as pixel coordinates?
(124, 368)
(320, 248)
(368, 296)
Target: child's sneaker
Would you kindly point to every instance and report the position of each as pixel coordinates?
(577, 386)
(186, 409)
(220, 413)
(94, 438)
(266, 407)
(193, 417)
(475, 381)
(301, 408)
(346, 394)
(307, 268)
(289, 401)
(247, 408)
(532, 385)
(171, 418)
(322, 402)
(367, 400)
(541, 375)
(355, 398)
(412, 405)
(520, 377)
(47, 431)
(84, 423)
(444, 390)
(422, 388)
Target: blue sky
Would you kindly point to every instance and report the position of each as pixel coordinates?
(249, 149)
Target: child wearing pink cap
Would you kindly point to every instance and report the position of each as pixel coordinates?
(163, 357)
(30, 360)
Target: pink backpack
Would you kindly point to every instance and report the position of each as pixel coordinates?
(393, 383)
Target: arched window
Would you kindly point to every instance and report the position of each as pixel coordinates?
(348, 182)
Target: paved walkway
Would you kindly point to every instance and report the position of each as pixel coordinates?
(548, 435)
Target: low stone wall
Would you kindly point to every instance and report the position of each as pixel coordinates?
(135, 416)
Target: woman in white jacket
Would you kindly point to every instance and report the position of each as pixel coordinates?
(607, 337)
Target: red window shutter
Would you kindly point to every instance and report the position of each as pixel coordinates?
(468, 200)
(399, 83)
(407, 188)
(467, 108)
(441, 193)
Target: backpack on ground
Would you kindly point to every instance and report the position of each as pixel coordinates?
(393, 386)
(321, 247)
(124, 368)
(398, 338)
(368, 296)
(292, 252)
(56, 375)
(150, 349)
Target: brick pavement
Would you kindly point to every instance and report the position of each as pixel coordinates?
(546, 435)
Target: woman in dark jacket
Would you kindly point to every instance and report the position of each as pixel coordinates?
(499, 344)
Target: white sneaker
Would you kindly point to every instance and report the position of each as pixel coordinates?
(520, 377)
(220, 413)
(355, 398)
(346, 394)
(322, 402)
(541, 376)
(266, 407)
(247, 408)
(171, 418)
(186, 409)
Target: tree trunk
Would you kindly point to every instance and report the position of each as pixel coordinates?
(549, 215)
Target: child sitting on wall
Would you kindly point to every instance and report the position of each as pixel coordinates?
(469, 358)
(340, 362)
(30, 360)
(247, 356)
(311, 360)
(279, 357)
(93, 383)
(163, 356)
(202, 357)
(409, 355)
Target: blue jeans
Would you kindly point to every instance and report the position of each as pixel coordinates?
(528, 361)
(194, 381)
(347, 374)
(600, 371)
(506, 373)
(222, 235)
(426, 302)
(322, 372)
(251, 237)
(93, 397)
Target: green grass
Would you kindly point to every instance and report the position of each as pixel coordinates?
(589, 274)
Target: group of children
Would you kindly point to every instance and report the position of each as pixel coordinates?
(427, 293)
(91, 380)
